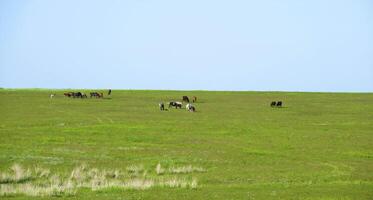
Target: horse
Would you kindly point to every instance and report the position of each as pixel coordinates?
(175, 104)
(273, 103)
(52, 95)
(96, 94)
(279, 104)
(185, 98)
(190, 107)
(187, 107)
(67, 94)
(77, 95)
(161, 106)
(179, 104)
(194, 99)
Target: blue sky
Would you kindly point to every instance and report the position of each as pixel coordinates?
(287, 45)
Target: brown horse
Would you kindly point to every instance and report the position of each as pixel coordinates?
(194, 99)
(186, 99)
(67, 94)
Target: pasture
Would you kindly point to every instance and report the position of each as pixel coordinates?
(235, 146)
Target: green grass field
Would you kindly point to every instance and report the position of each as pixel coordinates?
(318, 146)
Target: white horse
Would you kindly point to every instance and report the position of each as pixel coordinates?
(51, 96)
(190, 107)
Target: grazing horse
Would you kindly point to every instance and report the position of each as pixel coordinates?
(178, 104)
(194, 99)
(186, 99)
(175, 104)
(96, 94)
(190, 107)
(171, 104)
(76, 94)
(67, 94)
(273, 103)
(161, 106)
(279, 104)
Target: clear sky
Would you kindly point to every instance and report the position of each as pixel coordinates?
(286, 45)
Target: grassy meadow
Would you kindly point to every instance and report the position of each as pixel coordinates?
(318, 146)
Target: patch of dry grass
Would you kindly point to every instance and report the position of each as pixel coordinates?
(30, 189)
(41, 172)
(43, 183)
(158, 169)
(179, 183)
(185, 169)
(16, 175)
(135, 169)
(178, 170)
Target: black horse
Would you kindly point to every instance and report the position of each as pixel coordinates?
(77, 95)
(276, 104)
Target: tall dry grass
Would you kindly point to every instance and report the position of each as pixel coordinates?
(178, 170)
(41, 182)
(16, 175)
(159, 170)
(185, 169)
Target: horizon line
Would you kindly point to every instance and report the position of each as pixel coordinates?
(181, 90)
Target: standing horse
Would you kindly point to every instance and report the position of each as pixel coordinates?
(186, 99)
(194, 99)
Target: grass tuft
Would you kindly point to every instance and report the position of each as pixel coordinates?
(135, 169)
(185, 169)
(158, 169)
(16, 175)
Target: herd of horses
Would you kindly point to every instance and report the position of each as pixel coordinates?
(276, 104)
(171, 104)
(178, 104)
(83, 95)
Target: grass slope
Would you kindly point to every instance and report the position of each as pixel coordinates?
(319, 146)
